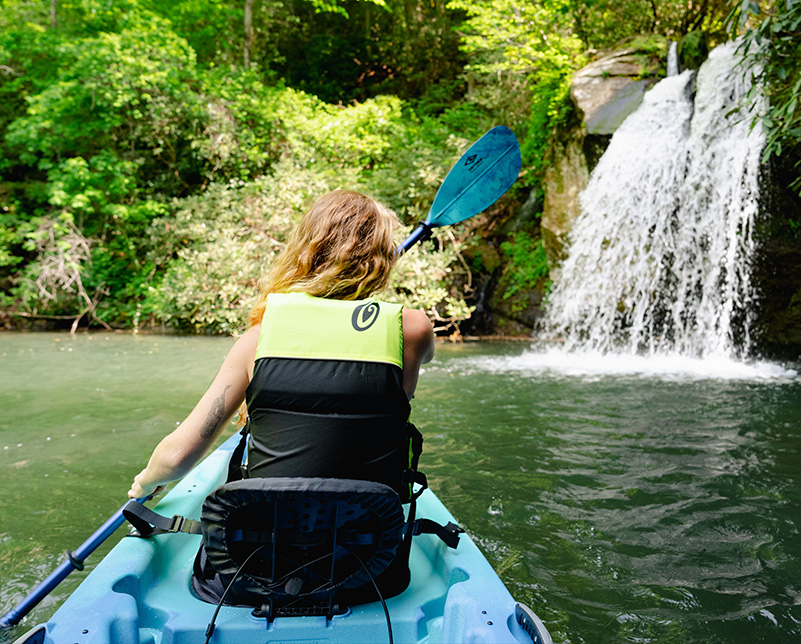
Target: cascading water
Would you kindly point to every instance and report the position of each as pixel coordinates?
(673, 59)
(659, 260)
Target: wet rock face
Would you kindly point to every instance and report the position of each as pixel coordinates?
(609, 89)
(777, 269)
(564, 180)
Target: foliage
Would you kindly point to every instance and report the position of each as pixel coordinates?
(242, 133)
(509, 37)
(772, 34)
(602, 23)
(414, 167)
(527, 265)
(134, 85)
(358, 135)
(693, 50)
(427, 278)
(405, 47)
(217, 245)
(549, 110)
(54, 280)
(149, 176)
(530, 45)
(212, 29)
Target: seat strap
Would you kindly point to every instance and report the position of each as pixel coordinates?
(147, 523)
(449, 533)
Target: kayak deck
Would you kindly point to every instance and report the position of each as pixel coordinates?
(140, 592)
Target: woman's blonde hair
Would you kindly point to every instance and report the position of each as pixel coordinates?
(343, 249)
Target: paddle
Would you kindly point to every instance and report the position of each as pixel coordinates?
(74, 561)
(475, 182)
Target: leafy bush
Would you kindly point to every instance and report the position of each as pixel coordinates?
(427, 278)
(215, 246)
(126, 93)
(528, 263)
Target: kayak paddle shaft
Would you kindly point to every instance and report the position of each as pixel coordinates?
(74, 561)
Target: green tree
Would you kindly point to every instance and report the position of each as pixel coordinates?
(602, 23)
(405, 47)
(772, 35)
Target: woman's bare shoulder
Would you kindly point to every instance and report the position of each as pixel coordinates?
(418, 333)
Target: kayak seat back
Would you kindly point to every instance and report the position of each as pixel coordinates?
(299, 546)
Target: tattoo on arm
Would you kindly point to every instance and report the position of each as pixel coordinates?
(216, 414)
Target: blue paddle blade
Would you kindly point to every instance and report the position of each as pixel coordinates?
(478, 179)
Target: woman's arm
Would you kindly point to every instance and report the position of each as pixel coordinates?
(418, 347)
(181, 450)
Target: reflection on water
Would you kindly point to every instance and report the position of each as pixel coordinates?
(78, 418)
(623, 506)
(627, 501)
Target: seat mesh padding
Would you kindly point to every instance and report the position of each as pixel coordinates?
(304, 532)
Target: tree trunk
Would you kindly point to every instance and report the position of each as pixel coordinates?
(248, 31)
(53, 13)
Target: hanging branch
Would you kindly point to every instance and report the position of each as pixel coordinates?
(63, 250)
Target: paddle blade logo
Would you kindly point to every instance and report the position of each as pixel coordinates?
(364, 316)
(473, 162)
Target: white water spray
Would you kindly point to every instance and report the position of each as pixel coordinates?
(660, 258)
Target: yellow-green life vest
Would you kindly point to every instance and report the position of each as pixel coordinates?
(327, 398)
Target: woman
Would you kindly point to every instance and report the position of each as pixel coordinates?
(319, 405)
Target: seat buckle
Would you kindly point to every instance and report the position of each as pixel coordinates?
(177, 524)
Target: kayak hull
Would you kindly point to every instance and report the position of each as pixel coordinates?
(140, 592)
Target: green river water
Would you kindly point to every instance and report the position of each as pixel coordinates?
(624, 500)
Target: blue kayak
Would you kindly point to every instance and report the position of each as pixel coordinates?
(140, 593)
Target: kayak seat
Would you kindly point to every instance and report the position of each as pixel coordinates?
(298, 546)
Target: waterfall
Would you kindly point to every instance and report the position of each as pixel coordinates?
(673, 59)
(659, 259)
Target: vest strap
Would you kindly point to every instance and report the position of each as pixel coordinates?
(414, 476)
(237, 465)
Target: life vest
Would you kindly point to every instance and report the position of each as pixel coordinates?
(326, 398)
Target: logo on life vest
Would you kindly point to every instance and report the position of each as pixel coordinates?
(364, 316)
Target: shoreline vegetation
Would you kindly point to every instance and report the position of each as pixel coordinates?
(154, 154)
(450, 339)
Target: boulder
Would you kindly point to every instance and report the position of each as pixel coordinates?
(607, 90)
(566, 176)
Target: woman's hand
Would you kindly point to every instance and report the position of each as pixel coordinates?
(141, 490)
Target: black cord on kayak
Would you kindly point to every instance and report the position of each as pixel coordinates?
(380, 596)
(210, 627)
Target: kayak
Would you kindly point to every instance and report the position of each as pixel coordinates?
(140, 592)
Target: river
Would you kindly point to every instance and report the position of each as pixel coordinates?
(624, 501)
